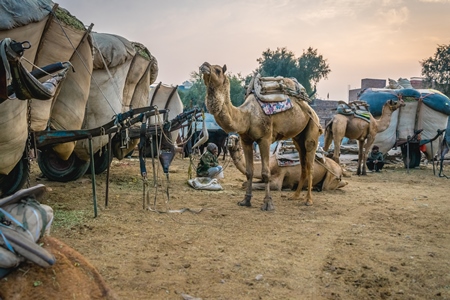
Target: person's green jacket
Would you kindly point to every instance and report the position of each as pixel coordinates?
(208, 160)
(375, 156)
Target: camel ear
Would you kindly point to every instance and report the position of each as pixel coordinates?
(224, 68)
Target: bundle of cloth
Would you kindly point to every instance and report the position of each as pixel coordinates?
(23, 222)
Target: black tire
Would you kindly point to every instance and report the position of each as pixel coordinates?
(414, 155)
(101, 161)
(56, 169)
(15, 180)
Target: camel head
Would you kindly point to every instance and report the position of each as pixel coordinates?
(233, 144)
(217, 86)
(394, 105)
(213, 75)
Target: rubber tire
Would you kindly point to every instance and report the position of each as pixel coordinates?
(101, 161)
(56, 169)
(414, 156)
(15, 180)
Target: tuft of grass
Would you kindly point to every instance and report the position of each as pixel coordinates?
(142, 50)
(69, 218)
(68, 19)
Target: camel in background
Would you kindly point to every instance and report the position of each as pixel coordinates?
(327, 173)
(300, 123)
(364, 131)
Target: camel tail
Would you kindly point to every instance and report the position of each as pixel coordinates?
(328, 136)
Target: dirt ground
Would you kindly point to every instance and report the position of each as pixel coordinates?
(383, 236)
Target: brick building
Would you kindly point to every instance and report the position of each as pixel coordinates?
(366, 83)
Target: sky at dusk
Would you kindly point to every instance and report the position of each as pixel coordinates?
(359, 39)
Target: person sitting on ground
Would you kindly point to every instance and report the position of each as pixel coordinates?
(375, 159)
(209, 165)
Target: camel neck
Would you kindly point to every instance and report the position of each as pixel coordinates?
(385, 119)
(225, 114)
(238, 159)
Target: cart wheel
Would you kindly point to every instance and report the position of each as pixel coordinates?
(56, 169)
(101, 162)
(414, 156)
(15, 180)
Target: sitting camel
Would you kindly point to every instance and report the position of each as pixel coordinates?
(364, 131)
(327, 174)
(71, 277)
(300, 123)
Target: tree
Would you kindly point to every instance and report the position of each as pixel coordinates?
(308, 69)
(195, 96)
(436, 69)
(237, 90)
(281, 62)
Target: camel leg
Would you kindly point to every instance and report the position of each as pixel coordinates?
(264, 148)
(328, 137)
(337, 148)
(360, 158)
(248, 154)
(306, 146)
(261, 186)
(368, 147)
(338, 129)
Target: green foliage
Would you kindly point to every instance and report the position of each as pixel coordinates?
(68, 19)
(308, 69)
(195, 96)
(436, 69)
(281, 62)
(237, 90)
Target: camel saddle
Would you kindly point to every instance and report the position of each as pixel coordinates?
(276, 89)
(359, 109)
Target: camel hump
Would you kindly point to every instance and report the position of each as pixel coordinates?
(276, 89)
(354, 107)
(360, 105)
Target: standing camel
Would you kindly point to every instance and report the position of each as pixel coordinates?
(300, 123)
(358, 129)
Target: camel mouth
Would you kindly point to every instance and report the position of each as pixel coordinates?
(205, 68)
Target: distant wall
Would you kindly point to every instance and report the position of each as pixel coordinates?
(353, 94)
(325, 109)
(373, 83)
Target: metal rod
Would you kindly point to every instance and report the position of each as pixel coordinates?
(107, 170)
(432, 158)
(94, 194)
(407, 155)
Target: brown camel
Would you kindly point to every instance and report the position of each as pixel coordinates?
(71, 277)
(358, 129)
(248, 120)
(327, 173)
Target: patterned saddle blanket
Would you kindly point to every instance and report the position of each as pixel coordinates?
(271, 108)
